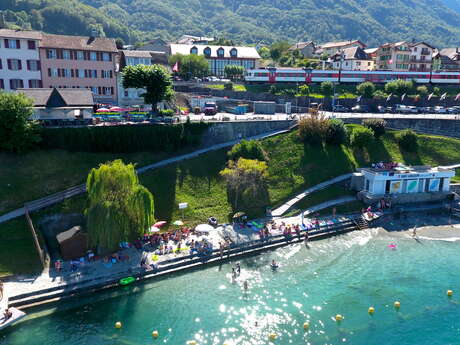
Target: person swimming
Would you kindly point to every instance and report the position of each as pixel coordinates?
(238, 268)
(233, 273)
(245, 285)
(274, 265)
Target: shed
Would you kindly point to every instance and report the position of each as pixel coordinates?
(73, 243)
(261, 107)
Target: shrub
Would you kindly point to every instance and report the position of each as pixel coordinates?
(366, 89)
(422, 90)
(336, 132)
(228, 86)
(380, 94)
(437, 91)
(377, 125)
(304, 90)
(273, 89)
(407, 140)
(249, 149)
(361, 137)
(399, 87)
(313, 129)
(327, 88)
(166, 112)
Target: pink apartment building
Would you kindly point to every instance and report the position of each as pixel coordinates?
(80, 62)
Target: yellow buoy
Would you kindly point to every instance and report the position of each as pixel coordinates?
(155, 334)
(450, 293)
(118, 324)
(397, 304)
(371, 310)
(273, 336)
(306, 325)
(338, 318)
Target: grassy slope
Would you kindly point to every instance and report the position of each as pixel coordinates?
(292, 167)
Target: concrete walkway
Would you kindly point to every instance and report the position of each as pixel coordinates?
(278, 212)
(80, 189)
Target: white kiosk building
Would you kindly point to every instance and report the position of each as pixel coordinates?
(404, 184)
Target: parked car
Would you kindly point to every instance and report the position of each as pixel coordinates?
(361, 109)
(340, 108)
(210, 108)
(440, 110)
(412, 110)
(382, 109)
(453, 110)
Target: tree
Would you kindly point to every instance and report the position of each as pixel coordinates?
(278, 48)
(246, 183)
(313, 129)
(234, 71)
(190, 66)
(366, 89)
(119, 43)
(336, 133)
(399, 87)
(155, 79)
(377, 126)
(249, 149)
(407, 140)
(327, 88)
(18, 133)
(304, 90)
(361, 137)
(422, 90)
(119, 208)
(264, 52)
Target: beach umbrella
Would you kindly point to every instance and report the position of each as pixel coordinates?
(238, 214)
(159, 224)
(154, 229)
(102, 110)
(116, 109)
(204, 228)
(178, 223)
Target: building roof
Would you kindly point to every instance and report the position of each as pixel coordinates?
(301, 45)
(66, 235)
(8, 33)
(242, 52)
(422, 43)
(137, 53)
(352, 53)
(56, 98)
(451, 53)
(101, 44)
(189, 39)
(371, 50)
(341, 44)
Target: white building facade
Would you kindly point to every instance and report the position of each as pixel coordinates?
(19, 59)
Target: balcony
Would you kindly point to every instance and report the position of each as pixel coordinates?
(425, 52)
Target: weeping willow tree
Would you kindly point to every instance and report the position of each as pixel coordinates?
(119, 208)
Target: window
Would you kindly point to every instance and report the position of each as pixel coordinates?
(106, 74)
(233, 52)
(16, 84)
(35, 83)
(12, 44)
(194, 50)
(94, 90)
(93, 73)
(66, 54)
(81, 73)
(106, 57)
(33, 65)
(53, 72)
(66, 73)
(51, 53)
(80, 55)
(207, 51)
(108, 91)
(2, 84)
(14, 64)
(31, 45)
(220, 52)
(93, 56)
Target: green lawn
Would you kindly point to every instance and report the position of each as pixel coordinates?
(236, 87)
(292, 166)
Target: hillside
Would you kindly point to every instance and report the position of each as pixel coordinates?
(248, 21)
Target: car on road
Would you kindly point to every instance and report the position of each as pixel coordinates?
(340, 108)
(453, 110)
(210, 108)
(405, 109)
(440, 110)
(361, 109)
(382, 109)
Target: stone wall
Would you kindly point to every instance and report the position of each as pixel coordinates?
(223, 132)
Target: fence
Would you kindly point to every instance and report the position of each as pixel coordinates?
(42, 252)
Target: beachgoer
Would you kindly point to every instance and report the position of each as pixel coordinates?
(57, 265)
(233, 273)
(274, 265)
(297, 231)
(245, 285)
(414, 231)
(238, 268)
(334, 211)
(306, 236)
(6, 315)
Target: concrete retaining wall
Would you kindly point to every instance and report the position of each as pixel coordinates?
(223, 132)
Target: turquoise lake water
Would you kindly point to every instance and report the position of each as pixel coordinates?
(344, 275)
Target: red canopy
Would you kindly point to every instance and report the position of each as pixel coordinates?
(159, 224)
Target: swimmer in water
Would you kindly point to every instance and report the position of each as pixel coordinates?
(245, 285)
(233, 273)
(274, 265)
(238, 268)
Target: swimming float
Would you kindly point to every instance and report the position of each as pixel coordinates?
(127, 280)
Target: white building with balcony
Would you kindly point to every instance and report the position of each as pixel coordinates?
(19, 59)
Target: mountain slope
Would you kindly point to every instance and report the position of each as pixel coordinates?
(251, 21)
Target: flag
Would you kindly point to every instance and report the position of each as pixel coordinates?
(443, 97)
(358, 99)
(457, 97)
(389, 97)
(402, 97)
(430, 96)
(176, 67)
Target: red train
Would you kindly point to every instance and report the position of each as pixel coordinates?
(299, 75)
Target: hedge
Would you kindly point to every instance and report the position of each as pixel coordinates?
(123, 139)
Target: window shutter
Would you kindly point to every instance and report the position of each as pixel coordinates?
(111, 74)
(28, 65)
(19, 64)
(49, 72)
(9, 63)
(30, 84)
(95, 73)
(21, 83)
(99, 90)
(86, 73)
(40, 84)
(7, 45)
(111, 90)
(11, 84)
(72, 73)
(59, 72)
(18, 44)
(1, 64)
(2, 85)
(39, 65)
